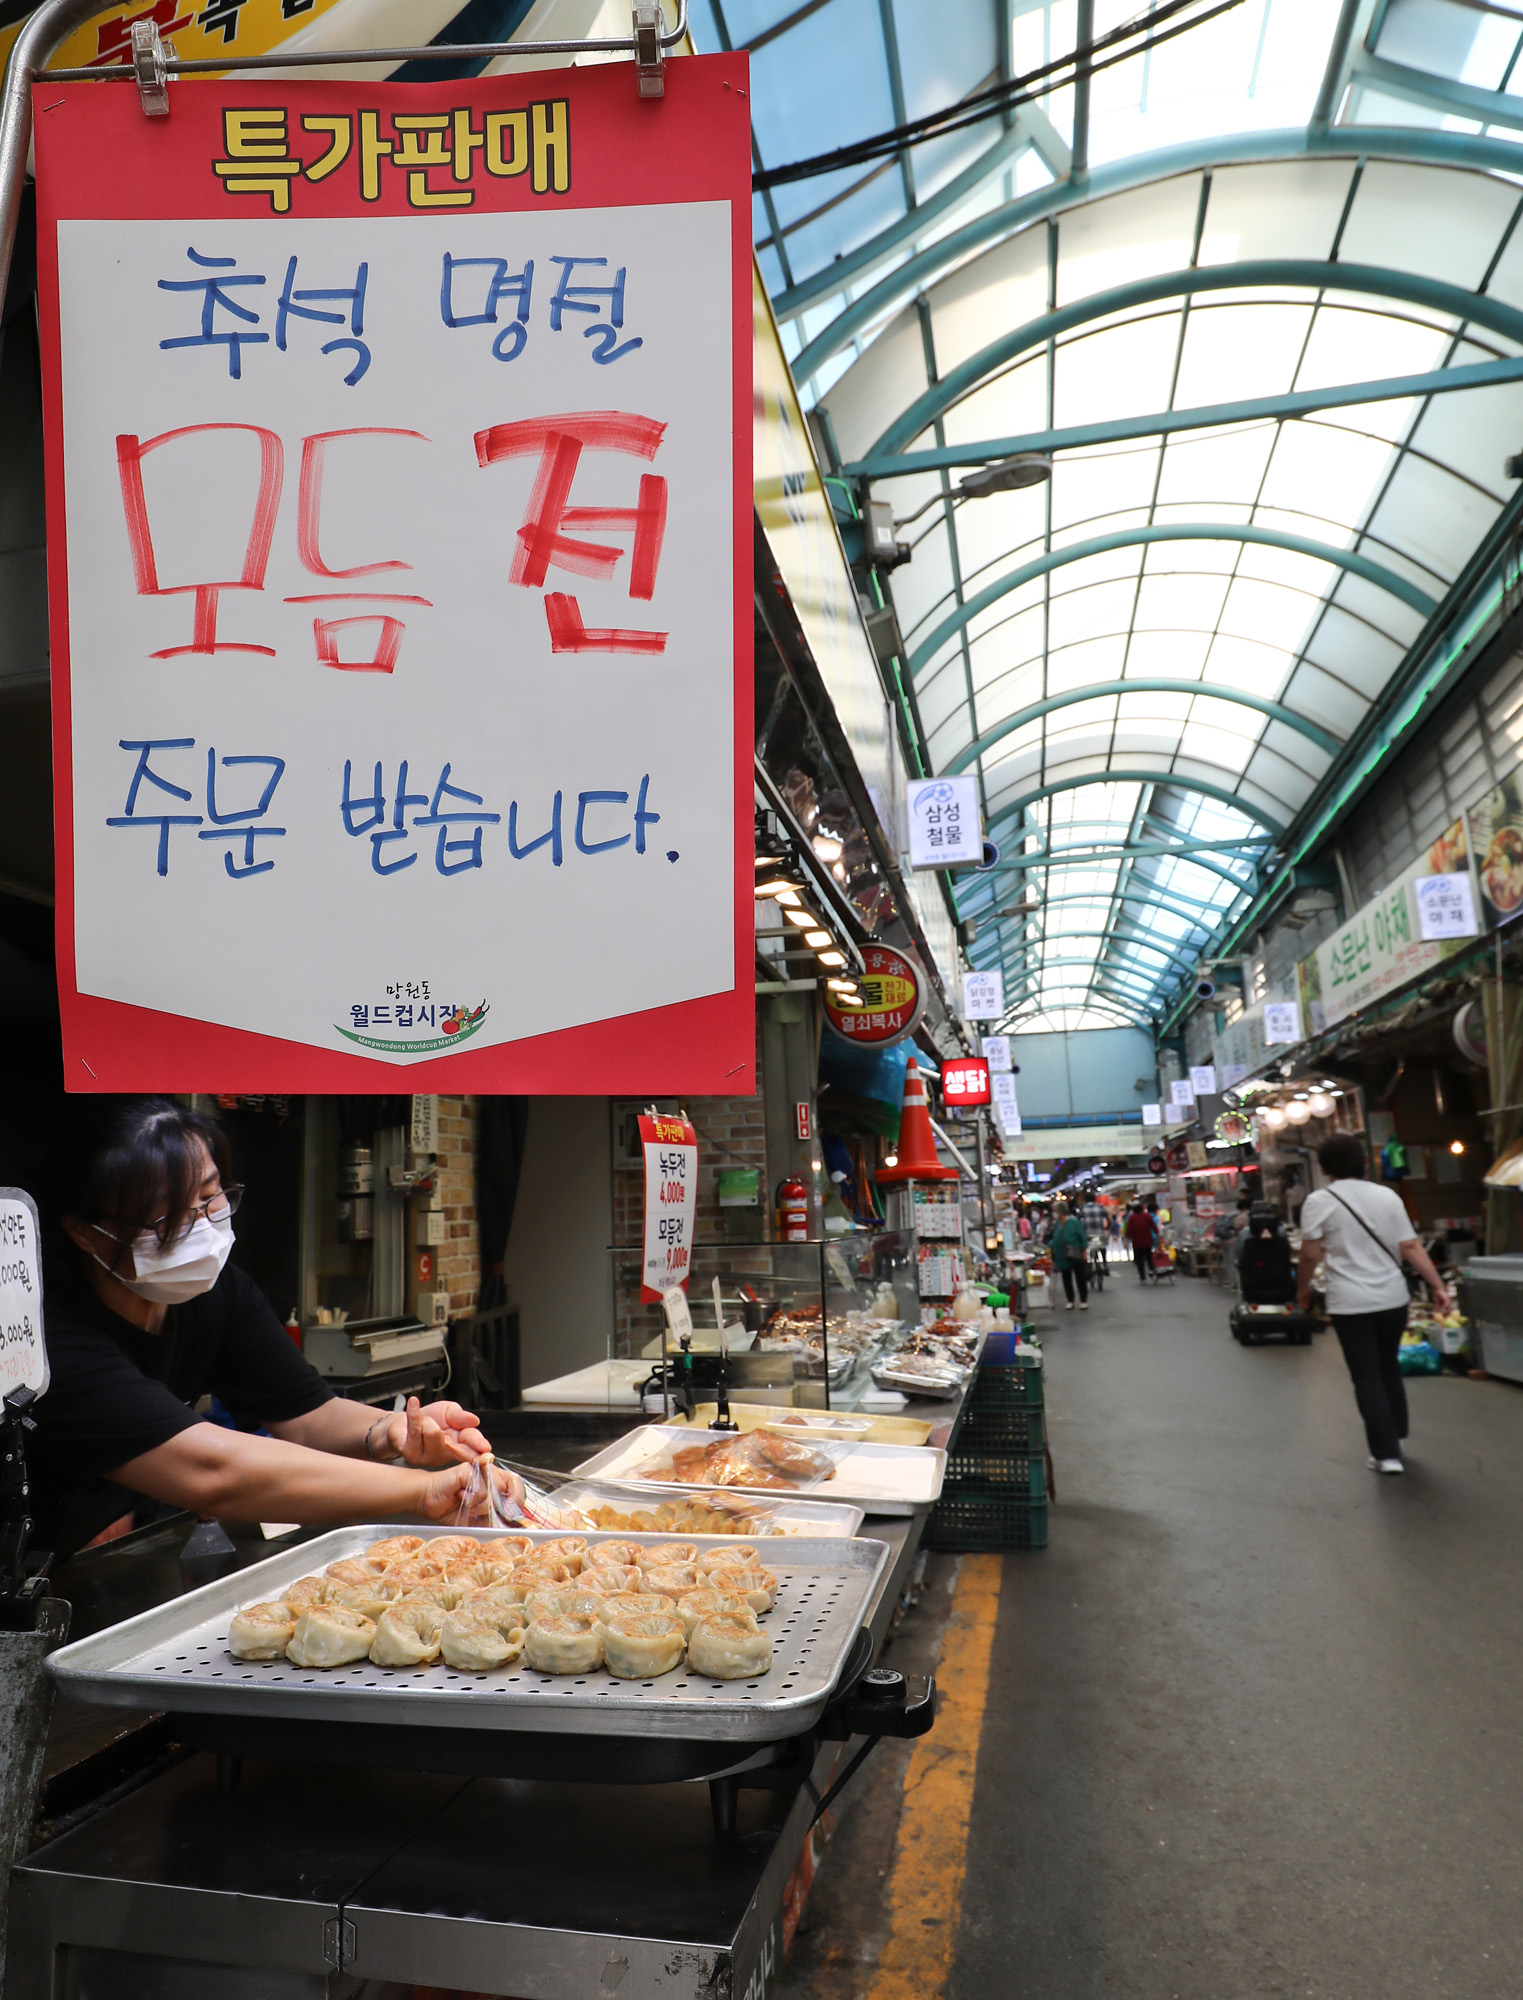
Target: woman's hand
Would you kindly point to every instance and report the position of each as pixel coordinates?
(445, 1492)
(441, 1434)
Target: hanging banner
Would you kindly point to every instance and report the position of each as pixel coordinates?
(670, 1146)
(983, 995)
(1006, 1108)
(23, 1349)
(399, 528)
(946, 827)
(1388, 942)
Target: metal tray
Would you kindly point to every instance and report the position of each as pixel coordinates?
(175, 1657)
(878, 1478)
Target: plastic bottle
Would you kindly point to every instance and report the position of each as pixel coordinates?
(293, 1326)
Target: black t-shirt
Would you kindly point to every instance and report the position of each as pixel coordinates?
(117, 1392)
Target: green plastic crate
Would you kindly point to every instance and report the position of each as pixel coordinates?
(966, 1523)
(997, 1475)
(1011, 1433)
(1017, 1388)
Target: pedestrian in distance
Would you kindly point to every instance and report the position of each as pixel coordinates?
(1366, 1237)
(1142, 1234)
(1070, 1256)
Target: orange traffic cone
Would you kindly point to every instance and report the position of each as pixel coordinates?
(917, 1146)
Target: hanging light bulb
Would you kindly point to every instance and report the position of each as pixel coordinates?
(1272, 1116)
(1321, 1104)
(1298, 1111)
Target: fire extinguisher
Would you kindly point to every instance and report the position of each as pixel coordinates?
(792, 1210)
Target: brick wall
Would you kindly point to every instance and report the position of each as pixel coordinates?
(459, 1262)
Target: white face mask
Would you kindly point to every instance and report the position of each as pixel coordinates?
(167, 1274)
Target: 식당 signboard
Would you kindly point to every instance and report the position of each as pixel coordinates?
(399, 527)
(23, 1350)
(670, 1146)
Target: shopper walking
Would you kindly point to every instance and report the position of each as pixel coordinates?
(1070, 1257)
(1142, 1234)
(1364, 1233)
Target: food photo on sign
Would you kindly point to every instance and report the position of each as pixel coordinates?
(1495, 826)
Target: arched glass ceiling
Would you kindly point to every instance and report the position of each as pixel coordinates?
(1242, 351)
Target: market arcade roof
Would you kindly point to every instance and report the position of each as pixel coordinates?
(1272, 335)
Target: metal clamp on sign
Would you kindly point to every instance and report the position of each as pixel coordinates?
(650, 58)
(150, 53)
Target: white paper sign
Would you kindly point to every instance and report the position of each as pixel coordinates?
(423, 1128)
(946, 828)
(408, 763)
(1002, 1089)
(23, 1354)
(996, 1050)
(1445, 906)
(671, 1203)
(983, 995)
(1282, 1021)
(1203, 1080)
(1152, 1114)
(1181, 1095)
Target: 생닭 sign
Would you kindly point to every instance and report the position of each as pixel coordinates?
(399, 526)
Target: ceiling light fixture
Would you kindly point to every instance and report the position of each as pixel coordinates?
(779, 886)
(1298, 1111)
(805, 919)
(1272, 1117)
(832, 957)
(1007, 475)
(1456, 1146)
(817, 938)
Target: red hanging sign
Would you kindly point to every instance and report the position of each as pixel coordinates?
(671, 1204)
(399, 550)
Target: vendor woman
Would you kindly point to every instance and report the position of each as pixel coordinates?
(145, 1317)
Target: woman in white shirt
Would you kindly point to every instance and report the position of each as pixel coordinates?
(1364, 1232)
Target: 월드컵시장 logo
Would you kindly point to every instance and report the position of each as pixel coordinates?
(447, 1027)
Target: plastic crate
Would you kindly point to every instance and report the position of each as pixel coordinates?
(1015, 1388)
(998, 1475)
(968, 1523)
(1011, 1433)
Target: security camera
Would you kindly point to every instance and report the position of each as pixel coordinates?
(1205, 989)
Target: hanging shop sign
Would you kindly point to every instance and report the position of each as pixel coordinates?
(964, 1081)
(888, 1002)
(946, 828)
(1234, 1128)
(670, 1146)
(1181, 1095)
(1445, 907)
(1495, 826)
(1379, 949)
(983, 997)
(23, 1351)
(399, 558)
(1203, 1080)
(996, 1051)
(1152, 1114)
(225, 30)
(1006, 1109)
(1282, 1022)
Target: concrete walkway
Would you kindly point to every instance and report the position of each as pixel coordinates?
(1253, 1724)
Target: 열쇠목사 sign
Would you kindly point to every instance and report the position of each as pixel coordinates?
(399, 529)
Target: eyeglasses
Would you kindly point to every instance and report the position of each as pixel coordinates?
(224, 1203)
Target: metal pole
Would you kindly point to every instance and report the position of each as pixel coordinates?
(26, 1703)
(983, 1184)
(40, 39)
(1332, 76)
(1078, 159)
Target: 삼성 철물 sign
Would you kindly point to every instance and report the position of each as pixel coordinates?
(399, 523)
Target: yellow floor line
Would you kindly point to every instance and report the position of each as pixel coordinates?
(924, 1891)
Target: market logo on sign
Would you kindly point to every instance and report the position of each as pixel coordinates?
(448, 1027)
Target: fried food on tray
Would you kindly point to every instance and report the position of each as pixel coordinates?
(741, 1553)
(564, 1645)
(712, 1601)
(369, 1599)
(438, 1591)
(474, 1574)
(756, 1458)
(450, 1548)
(727, 1649)
(567, 1600)
(671, 1579)
(330, 1635)
(610, 1576)
(394, 1548)
(667, 1554)
(480, 1641)
(261, 1631)
(414, 1572)
(505, 1548)
(757, 1585)
(639, 1646)
(354, 1569)
(306, 1590)
(637, 1601)
(536, 1575)
(408, 1635)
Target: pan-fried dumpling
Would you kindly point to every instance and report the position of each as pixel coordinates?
(480, 1641)
(639, 1646)
(330, 1635)
(408, 1634)
(564, 1645)
(728, 1649)
(261, 1631)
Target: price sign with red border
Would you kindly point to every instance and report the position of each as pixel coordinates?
(671, 1204)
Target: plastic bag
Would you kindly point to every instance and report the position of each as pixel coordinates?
(1417, 1357)
(487, 1502)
